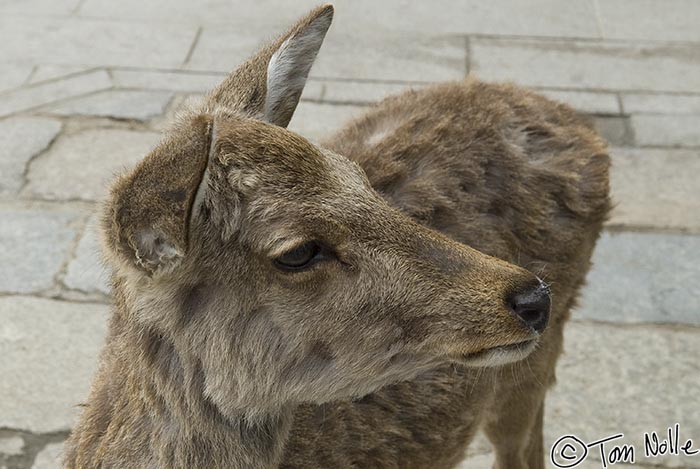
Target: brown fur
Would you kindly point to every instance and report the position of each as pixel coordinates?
(377, 355)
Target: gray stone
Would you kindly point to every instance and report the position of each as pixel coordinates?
(655, 188)
(506, 17)
(34, 243)
(401, 57)
(534, 18)
(668, 20)
(50, 352)
(616, 130)
(50, 457)
(38, 7)
(606, 66)
(587, 102)
(34, 96)
(359, 92)
(645, 103)
(630, 380)
(222, 49)
(190, 82)
(120, 104)
(644, 278)
(667, 130)
(53, 72)
(194, 13)
(479, 461)
(13, 75)
(316, 121)
(20, 140)
(86, 271)
(84, 41)
(81, 165)
(11, 445)
(613, 379)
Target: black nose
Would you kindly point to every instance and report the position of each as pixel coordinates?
(532, 306)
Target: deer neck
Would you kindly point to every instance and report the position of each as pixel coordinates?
(163, 402)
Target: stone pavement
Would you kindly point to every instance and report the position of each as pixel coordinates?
(86, 85)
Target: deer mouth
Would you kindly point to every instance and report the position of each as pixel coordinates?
(496, 356)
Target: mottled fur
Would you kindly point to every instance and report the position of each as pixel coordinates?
(218, 359)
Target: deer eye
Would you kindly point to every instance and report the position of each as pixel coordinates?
(300, 257)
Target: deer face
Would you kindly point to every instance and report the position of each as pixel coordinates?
(276, 267)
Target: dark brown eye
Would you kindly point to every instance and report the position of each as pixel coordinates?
(300, 257)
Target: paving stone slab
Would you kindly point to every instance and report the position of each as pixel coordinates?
(666, 130)
(13, 75)
(614, 379)
(53, 72)
(616, 130)
(188, 82)
(587, 102)
(644, 278)
(630, 380)
(644, 103)
(369, 56)
(12, 445)
(667, 20)
(358, 92)
(86, 272)
(38, 7)
(50, 457)
(604, 66)
(400, 57)
(101, 42)
(656, 188)
(31, 97)
(20, 140)
(42, 385)
(34, 244)
(119, 104)
(82, 165)
(317, 121)
(506, 17)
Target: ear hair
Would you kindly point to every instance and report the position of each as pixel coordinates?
(147, 222)
(289, 68)
(270, 83)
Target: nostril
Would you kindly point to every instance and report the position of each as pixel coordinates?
(532, 307)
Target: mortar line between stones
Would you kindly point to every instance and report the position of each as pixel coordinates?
(668, 326)
(195, 41)
(29, 78)
(618, 228)
(468, 55)
(52, 80)
(89, 298)
(72, 251)
(66, 99)
(76, 9)
(30, 161)
(381, 81)
(620, 103)
(598, 18)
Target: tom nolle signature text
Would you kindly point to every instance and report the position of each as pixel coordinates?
(570, 451)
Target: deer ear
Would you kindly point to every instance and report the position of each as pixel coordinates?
(148, 218)
(269, 84)
(289, 68)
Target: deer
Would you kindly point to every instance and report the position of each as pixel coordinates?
(370, 301)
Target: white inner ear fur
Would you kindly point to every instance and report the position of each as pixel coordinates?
(289, 67)
(154, 250)
(204, 183)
